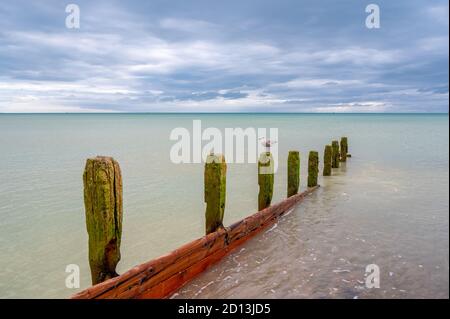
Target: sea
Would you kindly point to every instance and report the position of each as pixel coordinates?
(383, 213)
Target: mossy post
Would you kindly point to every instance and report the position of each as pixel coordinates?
(335, 154)
(327, 160)
(313, 168)
(265, 180)
(103, 206)
(344, 149)
(215, 190)
(293, 173)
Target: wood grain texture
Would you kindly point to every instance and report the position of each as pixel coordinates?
(102, 182)
(163, 276)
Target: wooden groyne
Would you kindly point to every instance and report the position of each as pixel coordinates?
(161, 277)
(102, 182)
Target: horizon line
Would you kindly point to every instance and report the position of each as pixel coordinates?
(212, 113)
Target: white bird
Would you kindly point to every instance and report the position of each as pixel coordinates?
(267, 143)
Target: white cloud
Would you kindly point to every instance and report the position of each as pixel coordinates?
(437, 45)
(187, 25)
(73, 88)
(300, 83)
(354, 107)
(44, 106)
(121, 55)
(439, 14)
(349, 55)
(71, 43)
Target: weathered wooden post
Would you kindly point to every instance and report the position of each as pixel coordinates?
(327, 160)
(102, 181)
(344, 149)
(293, 173)
(313, 168)
(265, 180)
(215, 191)
(335, 154)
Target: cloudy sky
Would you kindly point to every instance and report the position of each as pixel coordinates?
(224, 56)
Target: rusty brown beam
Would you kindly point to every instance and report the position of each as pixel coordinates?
(163, 276)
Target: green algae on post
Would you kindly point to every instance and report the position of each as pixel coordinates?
(313, 168)
(102, 182)
(327, 160)
(293, 173)
(265, 180)
(335, 154)
(215, 191)
(344, 148)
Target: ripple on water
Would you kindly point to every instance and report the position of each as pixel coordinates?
(322, 248)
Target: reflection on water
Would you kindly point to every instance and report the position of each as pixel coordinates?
(389, 206)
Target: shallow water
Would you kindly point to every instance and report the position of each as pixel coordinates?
(321, 248)
(387, 206)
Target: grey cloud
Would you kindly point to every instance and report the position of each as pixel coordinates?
(224, 56)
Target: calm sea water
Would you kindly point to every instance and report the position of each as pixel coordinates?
(387, 206)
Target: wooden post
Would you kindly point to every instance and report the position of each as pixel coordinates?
(265, 180)
(344, 149)
(215, 191)
(103, 206)
(327, 160)
(163, 276)
(313, 168)
(335, 154)
(293, 173)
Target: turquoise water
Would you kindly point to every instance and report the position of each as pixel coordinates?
(388, 205)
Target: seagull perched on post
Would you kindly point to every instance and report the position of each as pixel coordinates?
(267, 143)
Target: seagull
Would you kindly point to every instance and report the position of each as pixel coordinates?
(267, 143)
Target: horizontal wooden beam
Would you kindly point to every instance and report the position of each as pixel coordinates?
(163, 276)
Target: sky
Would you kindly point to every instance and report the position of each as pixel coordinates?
(224, 56)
